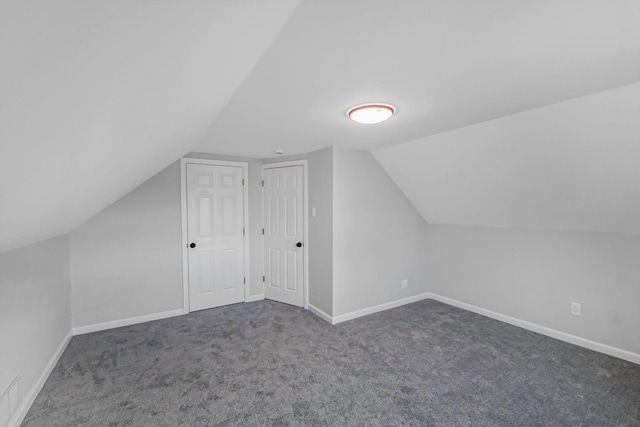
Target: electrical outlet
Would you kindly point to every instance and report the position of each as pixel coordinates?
(405, 283)
(575, 308)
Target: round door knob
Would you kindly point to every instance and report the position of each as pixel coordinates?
(299, 244)
(193, 245)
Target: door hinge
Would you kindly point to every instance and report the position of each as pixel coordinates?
(242, 181)
(263, 278)
(263, 231)
(263, 182)
(243, 231)
(245, 280)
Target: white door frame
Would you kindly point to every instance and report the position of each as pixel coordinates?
(305, 228)
(183, 197)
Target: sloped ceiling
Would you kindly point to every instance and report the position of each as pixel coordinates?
(443, 64)
(569, 166)
(542, 94)
(97, 96)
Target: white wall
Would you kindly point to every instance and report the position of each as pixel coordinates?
(535, 275)
(378, 236)
(320, 239)
(35, 311)
(126, 261)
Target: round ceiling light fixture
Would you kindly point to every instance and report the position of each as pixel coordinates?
(371, 113)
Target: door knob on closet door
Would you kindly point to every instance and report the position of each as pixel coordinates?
(193, 245)
(299, 244)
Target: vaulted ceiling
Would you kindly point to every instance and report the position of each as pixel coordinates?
(96, 97)
(574, 165)
(443, 64)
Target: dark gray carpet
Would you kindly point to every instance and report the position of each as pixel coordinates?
(266, 363)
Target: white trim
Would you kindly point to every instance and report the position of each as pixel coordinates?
(30, 397)
(185, 253)
(381, 307)
(321, 314)
(306, 234)
(543, 330)
(301, 162)
(264, 259)
(126, 322)
(553, 333)
(247, 249)
(252, 298)
(305, 226)
(183, 201)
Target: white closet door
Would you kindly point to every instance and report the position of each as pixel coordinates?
(215, 215)
(284, 234)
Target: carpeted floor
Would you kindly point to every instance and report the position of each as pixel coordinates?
(265, 363)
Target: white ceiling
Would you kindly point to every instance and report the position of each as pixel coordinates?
(569, 166)
(97, 96)
(444, 64)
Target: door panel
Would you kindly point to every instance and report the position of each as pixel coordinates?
(284, 229)
(291, 268)
(215, 222)
(273, 275)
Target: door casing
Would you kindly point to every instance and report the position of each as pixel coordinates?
(183, 197)
(305, 218)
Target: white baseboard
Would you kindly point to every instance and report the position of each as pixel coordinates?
(79, 330)
(31, 395)
(252, 298)
(553, 333)
(321, 314)
(376, 308)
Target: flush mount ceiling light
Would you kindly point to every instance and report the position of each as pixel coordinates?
(371, 113)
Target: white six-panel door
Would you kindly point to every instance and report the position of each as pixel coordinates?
(284, 234)
(215, 224)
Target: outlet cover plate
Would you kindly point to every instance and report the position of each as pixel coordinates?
(576, 308)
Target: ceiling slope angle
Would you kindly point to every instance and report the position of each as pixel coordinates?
(96, 97)
(444, 65)
(573, 166)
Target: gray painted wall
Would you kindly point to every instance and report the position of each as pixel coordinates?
(535, 275)
(320, 239)
(378, 236)
(366, 238)
(126, 261)
(35, 310)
